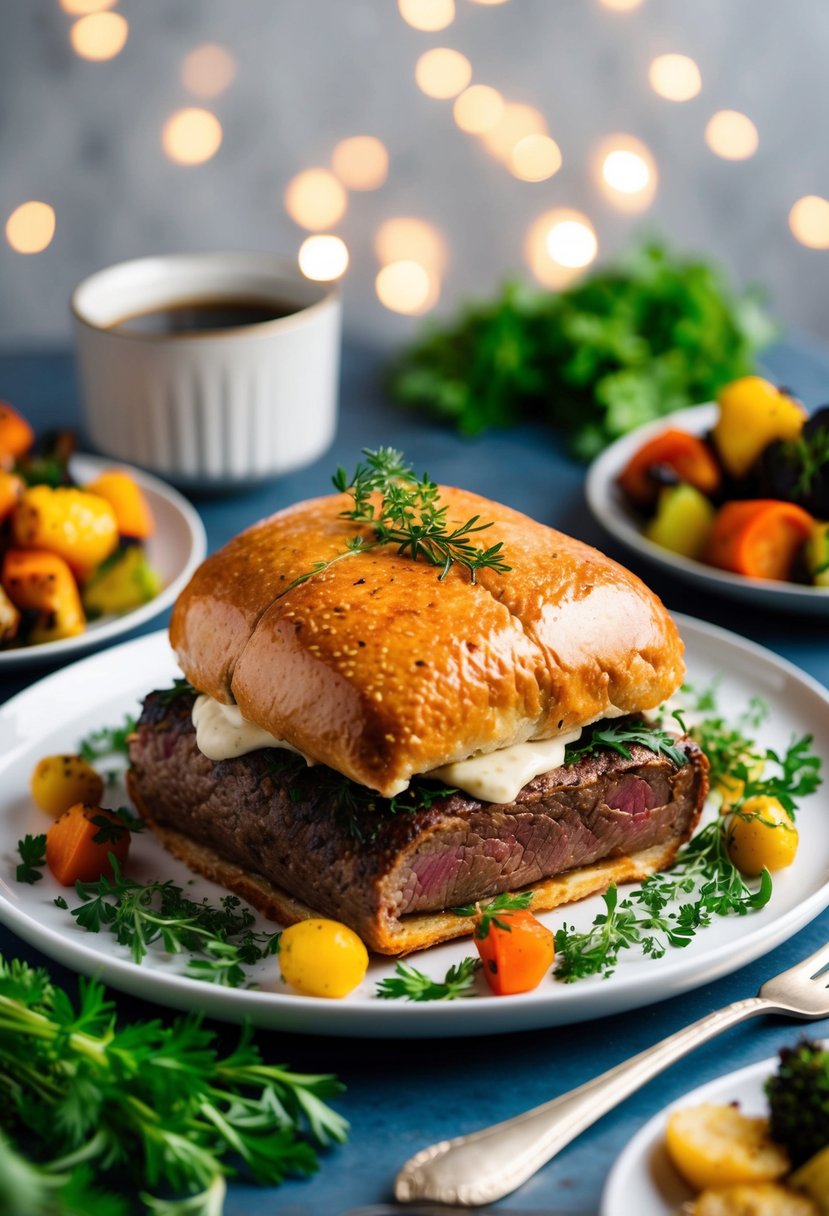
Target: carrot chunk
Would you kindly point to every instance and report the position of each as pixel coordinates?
(759, 537)
(11, 491)
(690, 459)
(16, 436)
(517, 952)
(122, 492)
(42, 582)
(78, 844)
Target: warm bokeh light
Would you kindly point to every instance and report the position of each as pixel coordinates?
(407, 287)
(315, 199)
(323, 258)
(30, 227)
(674, 77)
(406, 238)
(571, 241)
(731, 135)
(79, 8)
(572, 234)
(535, 158)
(99, 36)
(516, 123)
(626, 172)
(361, 162)
(443, 72)
(208, 70)
(809, 221)
(478, 109)
(191, 136)
(622, 6)
(428, 15)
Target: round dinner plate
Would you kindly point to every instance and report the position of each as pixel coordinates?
(643, 1180)
(54, 714)
(177, 546)
(613, 511)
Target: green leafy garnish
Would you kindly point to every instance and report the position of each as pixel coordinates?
(107, 741)
(667, 910)
(623, 346)
(408, 516)
(487, 914)
(142, 914)
(110, 831)
(412, 985)
(145, 1105)
(617, 735)
(32, 850)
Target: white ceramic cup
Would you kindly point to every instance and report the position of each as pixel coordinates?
(212, 408)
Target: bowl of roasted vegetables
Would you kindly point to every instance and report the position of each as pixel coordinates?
(733, 495)
(88, 550)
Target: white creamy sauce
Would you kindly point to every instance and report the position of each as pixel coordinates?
(223, 734)
(498, 776)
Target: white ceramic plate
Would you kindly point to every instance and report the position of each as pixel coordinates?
(54, 714)
(643, 1180)
(177, 546)
(613, 511)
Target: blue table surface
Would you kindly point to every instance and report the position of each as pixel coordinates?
(403, 1095)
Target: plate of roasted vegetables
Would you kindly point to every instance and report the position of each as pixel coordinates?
(753, 1141)
(88, 549)
(732, 496)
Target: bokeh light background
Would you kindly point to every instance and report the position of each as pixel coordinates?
(423, 150)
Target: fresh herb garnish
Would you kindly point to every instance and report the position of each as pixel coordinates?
(110, 830)
(362, 810)
(487, 914)
(107, 741)
(616, 736)
(147, 1105)
(408, 516)
(412, 985)
(180, 688)
(623, 346)
(142, 914)
(660, 913)
(32, 850)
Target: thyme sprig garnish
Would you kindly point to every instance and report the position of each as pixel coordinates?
(139, 915)
(412, 985)
(408, 516)
(107, 741)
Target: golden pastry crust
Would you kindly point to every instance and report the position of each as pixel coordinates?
(379, 670)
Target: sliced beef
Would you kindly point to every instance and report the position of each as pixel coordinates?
(349, 853)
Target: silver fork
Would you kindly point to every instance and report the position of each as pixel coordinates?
(486, 1165)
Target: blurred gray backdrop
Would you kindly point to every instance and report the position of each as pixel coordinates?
(85, 137)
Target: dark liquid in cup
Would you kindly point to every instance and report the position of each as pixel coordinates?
(203, 316)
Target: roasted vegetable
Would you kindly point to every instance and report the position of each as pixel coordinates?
(79, 527)
(753, 413)
(42, 583)
(686, 456)
(11, 491)
(516, 950)
(16, 436)
(78, 845)
(9, 618)
(683, 521)
(760, 538)
(719, 1146)
(124, 581)
(816, 555)
(798, 1096)
(760, 1199)
(58, 782)
(122, 492)
(813, 1178)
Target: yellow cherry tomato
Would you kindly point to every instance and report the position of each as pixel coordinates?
(322, 958)
(58, 782)
(761, 836)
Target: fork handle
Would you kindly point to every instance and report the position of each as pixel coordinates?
(486, 1165)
